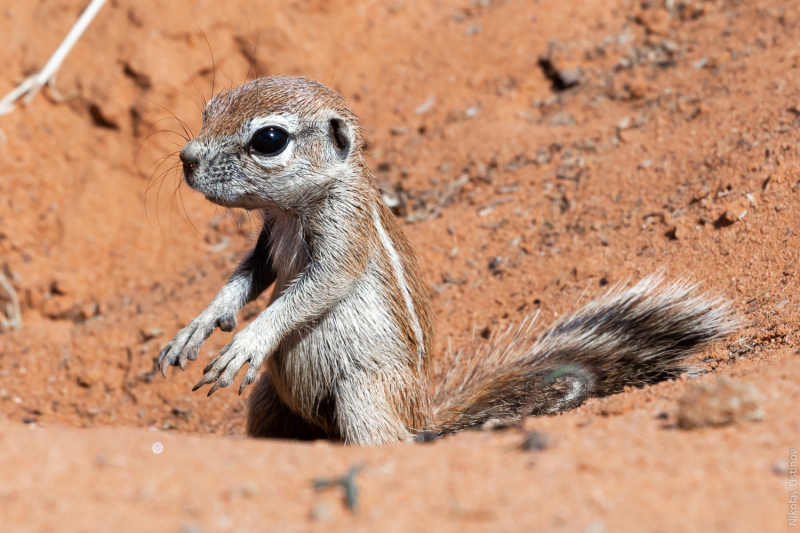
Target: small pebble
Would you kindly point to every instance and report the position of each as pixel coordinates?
(535, 441)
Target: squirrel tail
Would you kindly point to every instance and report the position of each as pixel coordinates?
(632, 337)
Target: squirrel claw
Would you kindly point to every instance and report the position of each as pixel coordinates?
(162, 361)
(249, 378)
(214, 389)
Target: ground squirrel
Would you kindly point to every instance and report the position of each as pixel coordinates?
(347, 337)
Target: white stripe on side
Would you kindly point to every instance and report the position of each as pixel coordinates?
(399, 274)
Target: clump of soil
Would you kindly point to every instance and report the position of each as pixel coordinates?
(719, 403)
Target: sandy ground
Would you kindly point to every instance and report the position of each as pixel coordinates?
(675, 152)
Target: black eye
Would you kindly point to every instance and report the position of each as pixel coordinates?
(269, 141)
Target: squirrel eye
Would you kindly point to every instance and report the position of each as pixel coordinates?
(269, 141)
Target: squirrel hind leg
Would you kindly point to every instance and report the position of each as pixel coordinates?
(371, 409)
(269, 418)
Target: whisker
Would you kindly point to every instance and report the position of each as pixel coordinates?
(158, 198)
(255, 49)
(186, 129)
(163, 160)
(333, 76)
(173, 197)
(150, 185)
(252, 56)
(199, 92)
(183, 205)
(213, 64)
(162, 180)
(230, 80)
(192, 99)
(148, 134)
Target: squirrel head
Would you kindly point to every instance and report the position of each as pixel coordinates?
(274, 142)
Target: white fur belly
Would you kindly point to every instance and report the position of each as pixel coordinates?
(357, 336)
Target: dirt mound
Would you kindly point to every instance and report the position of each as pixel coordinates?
(538, 153)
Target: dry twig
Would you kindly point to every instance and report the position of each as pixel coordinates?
(28, 88)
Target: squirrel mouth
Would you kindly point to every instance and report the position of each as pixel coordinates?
(221, 195)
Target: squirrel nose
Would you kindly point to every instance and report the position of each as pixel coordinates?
(190, 159)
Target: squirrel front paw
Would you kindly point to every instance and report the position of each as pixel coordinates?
(187, 342)
(244, 348)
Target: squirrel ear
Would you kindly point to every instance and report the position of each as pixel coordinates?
(337, 132)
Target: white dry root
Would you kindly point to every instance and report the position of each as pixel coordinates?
(7, 292)
(28, 88)
(26, 91)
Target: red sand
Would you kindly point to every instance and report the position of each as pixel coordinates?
(676, 152)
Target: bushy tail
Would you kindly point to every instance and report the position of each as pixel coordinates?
(632, 337)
